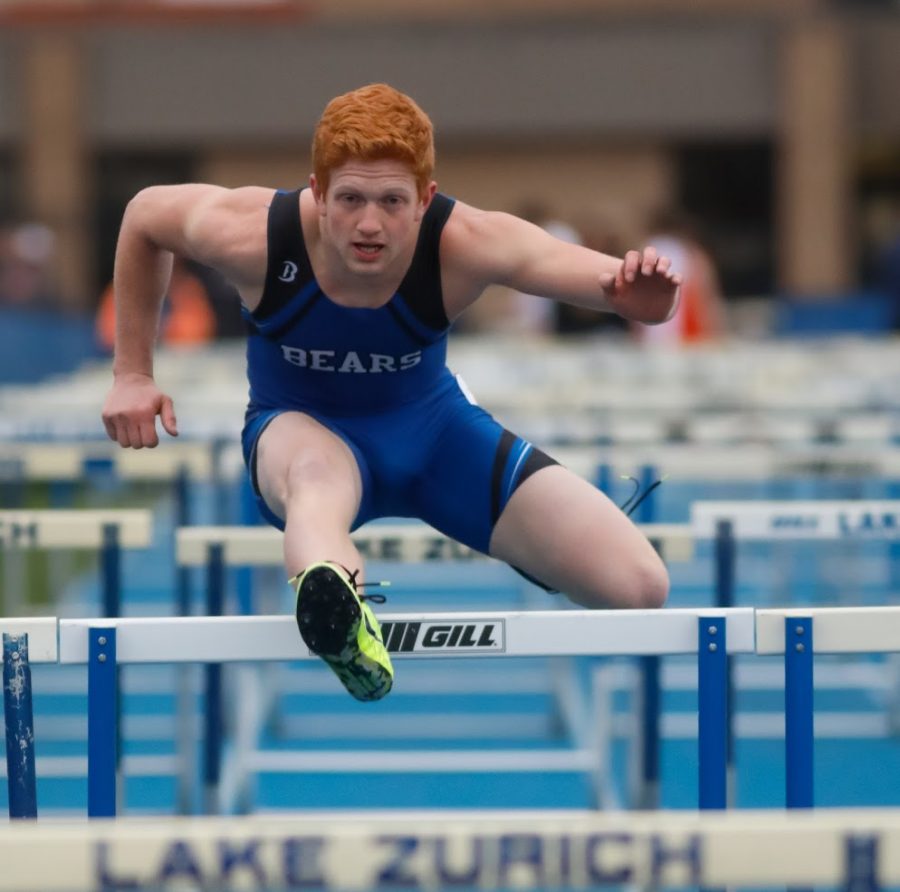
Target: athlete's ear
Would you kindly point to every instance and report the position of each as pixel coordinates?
(318, 194)
(425, 200)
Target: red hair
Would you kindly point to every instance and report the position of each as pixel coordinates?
(370, 124)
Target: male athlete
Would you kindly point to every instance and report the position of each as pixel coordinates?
(349, 288)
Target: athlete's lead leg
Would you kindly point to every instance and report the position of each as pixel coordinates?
(309, 477)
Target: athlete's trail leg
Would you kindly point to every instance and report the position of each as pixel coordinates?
(565, 532)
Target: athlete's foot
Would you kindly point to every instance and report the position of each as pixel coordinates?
(336, 624)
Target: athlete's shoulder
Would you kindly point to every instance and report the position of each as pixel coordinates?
(474, 239)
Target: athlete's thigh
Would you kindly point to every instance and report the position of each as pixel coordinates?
(565, 532)
(295, 453)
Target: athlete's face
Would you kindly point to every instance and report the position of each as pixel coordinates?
(371, 214)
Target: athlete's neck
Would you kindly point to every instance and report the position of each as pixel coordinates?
(350, 286)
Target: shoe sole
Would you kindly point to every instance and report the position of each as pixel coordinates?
(329, 615)
(335, 639)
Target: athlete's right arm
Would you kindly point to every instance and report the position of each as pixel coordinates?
(221, 228)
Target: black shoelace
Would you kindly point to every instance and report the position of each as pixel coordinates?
(636, 497)
(375, 599)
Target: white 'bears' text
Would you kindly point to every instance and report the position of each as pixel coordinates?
(351, 361)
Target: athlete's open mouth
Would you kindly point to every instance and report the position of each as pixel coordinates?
(369, 249)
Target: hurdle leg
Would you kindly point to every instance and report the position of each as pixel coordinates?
(725, 564)
(712, 687)
(648, 792)
(213, 725)
(187, 737)
(798, 711)
(102, 711)
(17, 705)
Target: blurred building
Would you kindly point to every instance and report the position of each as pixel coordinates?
(775, 121)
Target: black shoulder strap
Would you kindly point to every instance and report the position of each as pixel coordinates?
(421, 286)
(288, 268)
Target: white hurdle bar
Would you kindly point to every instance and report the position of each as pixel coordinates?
(87, 528)
(259, 546)
(851, 520)
(742, 462)
(797, 633)
(21, 459)
(711, 634)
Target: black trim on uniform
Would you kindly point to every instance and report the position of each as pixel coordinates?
(500, 458)
(285, 244)
(254, 476)
(534, 581)
(421, 288)
(535, 461)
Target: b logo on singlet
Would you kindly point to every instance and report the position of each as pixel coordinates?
(288, 271)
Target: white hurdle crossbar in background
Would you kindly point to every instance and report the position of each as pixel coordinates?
(56, 460)
(106, 531)
(257, 546)
(711, 634)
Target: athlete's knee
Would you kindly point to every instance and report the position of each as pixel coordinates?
(647, 583)
(307, 476)
(639, 582)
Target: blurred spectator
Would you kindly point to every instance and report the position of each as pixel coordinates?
(39, 335)
(701, 310)
(188, 316)
(26, 259)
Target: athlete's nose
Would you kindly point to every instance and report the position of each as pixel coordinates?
(369, 223)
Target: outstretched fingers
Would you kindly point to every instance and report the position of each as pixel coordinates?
(631, 265)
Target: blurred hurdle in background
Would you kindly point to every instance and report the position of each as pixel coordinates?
(106, 532)
(383, 543)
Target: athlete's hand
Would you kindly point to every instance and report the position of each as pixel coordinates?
(644, 288)
(130, 410)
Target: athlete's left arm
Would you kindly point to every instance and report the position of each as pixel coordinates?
(480, 248)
